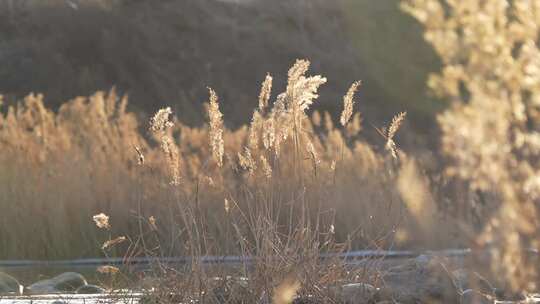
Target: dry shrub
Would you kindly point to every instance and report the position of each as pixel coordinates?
(491, 77)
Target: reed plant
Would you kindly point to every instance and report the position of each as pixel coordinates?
(267, 198)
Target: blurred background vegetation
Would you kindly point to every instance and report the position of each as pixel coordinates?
(166, 53)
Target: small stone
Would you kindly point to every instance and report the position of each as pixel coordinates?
(9, 285)
(90, 289)
(65, 282)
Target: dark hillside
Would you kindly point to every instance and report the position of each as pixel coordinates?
(167, 52)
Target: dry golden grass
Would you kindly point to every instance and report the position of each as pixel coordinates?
(61, 168)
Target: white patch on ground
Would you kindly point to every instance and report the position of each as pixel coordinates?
(124, 298)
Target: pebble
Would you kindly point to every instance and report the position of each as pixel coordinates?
(9, 285)
(65, 282)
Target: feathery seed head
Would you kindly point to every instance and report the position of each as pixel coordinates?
(107, 269)
(160, 121)
(348, 103)
(299, 68)
(392, 129)
(113, 242)
(266, 90)
(102, 221)
(395, 124)
(216, 128)
(306, 91)
(301, 90)
(159, 125)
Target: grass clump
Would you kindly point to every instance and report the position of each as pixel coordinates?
(270, 203)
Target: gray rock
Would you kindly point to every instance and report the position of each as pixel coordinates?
(470, 296)
(65, 282)
(9, 285)
(421, 280)
(90, 289)
(465, 279)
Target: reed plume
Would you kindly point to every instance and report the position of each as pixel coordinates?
(392, 130)
(113, 242)
(160, 124)
(102, 221)
(216, 128)
(160, 121)
(108, 269)
(266, 90)
(348, 103)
